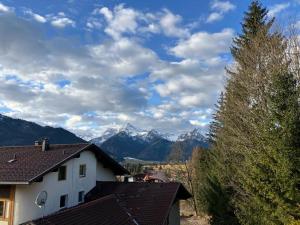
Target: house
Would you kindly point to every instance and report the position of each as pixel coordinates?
(70, 184)
(153, 176)
(114, 203)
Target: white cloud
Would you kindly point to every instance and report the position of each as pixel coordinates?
(93, 23)
(36, 17)
(5, 9)
(274, 10)
(170, 25)
(204, 45)
(219, 9)
(215, 16)
(73, 121)
(223, 6)
(198, 123)
(99, 92)
(120, 20)
(61, 20)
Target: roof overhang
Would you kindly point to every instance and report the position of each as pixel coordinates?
(13, 182)
(101, 156)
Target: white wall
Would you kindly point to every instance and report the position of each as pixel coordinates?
(104, 174)
(25, 195)
(174, 215)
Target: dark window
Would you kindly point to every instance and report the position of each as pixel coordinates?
(80, 196)
(62, 173)
(2, 208)
(63, 201)
(82, 170)
(4, 192)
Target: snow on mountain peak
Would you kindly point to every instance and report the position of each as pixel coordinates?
(105, 135)
(148, 135)
(132, 130)
(194, 134)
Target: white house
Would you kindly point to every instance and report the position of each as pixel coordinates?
(52, 181)
(65, 172)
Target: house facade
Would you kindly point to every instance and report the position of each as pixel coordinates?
(69, 178)
(66, 179)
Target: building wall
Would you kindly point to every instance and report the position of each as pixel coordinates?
(104, 174)
(25, 195)
(174, 215)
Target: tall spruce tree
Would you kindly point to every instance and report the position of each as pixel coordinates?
(255, 18)
(256, 151)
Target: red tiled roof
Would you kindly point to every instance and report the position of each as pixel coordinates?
(148, 203)
(31, 163)
(103, 211)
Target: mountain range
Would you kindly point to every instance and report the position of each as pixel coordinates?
(152, 145)
(128, 141)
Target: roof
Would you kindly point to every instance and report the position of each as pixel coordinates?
(152, 176)
(30, 163)
(104, 211)
(148, 203)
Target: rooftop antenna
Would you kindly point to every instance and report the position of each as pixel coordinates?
(13, 159)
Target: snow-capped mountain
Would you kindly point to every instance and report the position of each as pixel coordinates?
(130, 141)
(105, 135)
(194, 134)
(132, 130)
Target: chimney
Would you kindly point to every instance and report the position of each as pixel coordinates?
(37, 143)
(45, 145)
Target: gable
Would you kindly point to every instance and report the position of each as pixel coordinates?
(26, 164)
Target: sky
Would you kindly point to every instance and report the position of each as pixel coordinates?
(91, 65)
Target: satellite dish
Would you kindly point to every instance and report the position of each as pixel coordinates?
(41, 199)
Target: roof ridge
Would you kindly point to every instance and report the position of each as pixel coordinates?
(23, 146)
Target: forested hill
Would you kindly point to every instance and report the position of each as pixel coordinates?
(21, 132)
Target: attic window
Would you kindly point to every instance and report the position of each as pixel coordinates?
(62, 173)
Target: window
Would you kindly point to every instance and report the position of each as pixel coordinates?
(82, 170)
(80, 196)
(4, 210)
(62, 173)
(63, 201)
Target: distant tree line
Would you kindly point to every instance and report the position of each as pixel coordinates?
(134, 168)
(251, 174)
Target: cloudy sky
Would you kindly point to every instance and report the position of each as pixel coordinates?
(88, 65)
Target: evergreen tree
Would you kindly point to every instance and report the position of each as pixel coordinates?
(255, 19)
(255, 153)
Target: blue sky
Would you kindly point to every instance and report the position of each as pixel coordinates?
(91, 65)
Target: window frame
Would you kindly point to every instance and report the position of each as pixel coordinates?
(81, 194)
(59, 178)
(65, 202)
(82, 168)
(5, 205)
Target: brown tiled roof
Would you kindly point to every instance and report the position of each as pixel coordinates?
(148, 203)
(31, 163)
(104, 211)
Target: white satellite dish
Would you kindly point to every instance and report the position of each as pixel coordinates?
(41, 199)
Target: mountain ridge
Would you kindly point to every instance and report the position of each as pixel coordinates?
(151, 145)
(15, 132)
